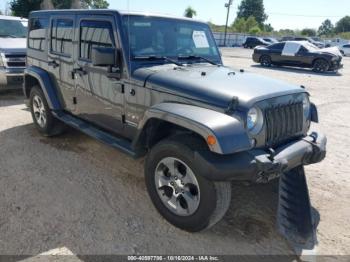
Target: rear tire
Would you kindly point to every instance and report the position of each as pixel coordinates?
(43, 119)
(265, 61)
(171, 164)
(320, 66)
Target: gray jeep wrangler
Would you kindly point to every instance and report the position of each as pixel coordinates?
(156, 86)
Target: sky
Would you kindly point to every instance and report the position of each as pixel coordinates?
(293, 14)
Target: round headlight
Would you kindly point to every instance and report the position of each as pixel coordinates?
(306, 106)
(255, 120)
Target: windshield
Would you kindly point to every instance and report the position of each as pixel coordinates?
(165, 37)
(13, 28)
(310, 47)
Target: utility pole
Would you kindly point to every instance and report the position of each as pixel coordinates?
(228, 6)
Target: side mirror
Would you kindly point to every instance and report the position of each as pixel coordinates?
(105, 56)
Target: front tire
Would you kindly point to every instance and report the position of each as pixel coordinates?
(320, 66)
(43, 119)
(265, 61)
(180, 194)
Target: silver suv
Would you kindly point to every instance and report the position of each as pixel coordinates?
(155, 86)
(13, 33)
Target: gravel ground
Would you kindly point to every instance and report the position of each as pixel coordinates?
(74, 194)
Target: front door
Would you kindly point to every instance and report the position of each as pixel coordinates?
(99, 98)
(60, 57)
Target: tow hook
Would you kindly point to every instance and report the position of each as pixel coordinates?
(314, 137)
(272, 154)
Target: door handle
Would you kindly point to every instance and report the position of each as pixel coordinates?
(53, 63)
(80, 71)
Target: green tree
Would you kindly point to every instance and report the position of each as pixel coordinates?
(343, 25)
(254, 8)
(251, 23)
(345, 35)
(308, 32)
(287, 32)
(24, 7)
(326, 28)
(254, 30)
(190, 12)
(85, 4)
(239, 25)
(268, 28)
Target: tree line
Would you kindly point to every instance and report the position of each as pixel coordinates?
(251, 19)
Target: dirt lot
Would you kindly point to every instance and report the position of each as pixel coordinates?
(80, 196)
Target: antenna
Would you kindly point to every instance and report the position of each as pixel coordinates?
(228, 6)
(129, 47)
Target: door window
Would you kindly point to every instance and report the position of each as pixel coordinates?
(277, 47)
(62, 37)
(37, 33)
(94, 34)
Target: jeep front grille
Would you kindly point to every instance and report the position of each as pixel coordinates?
(15, 60)
(283, 122)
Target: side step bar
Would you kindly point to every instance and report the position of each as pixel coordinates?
(116, 142)
(294, 214)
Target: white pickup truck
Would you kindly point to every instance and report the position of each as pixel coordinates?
(13, 33)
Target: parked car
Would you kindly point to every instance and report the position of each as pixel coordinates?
(270, 40)
(252, 42)
(338, 42)
(13, 33)
(155, 86)
(345, 49)
(299, 54)
(310, 40)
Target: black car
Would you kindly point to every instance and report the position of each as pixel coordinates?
(252, 42)
(300, 54)
(270, 40)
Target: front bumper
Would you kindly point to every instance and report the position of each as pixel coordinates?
(261, 166)
(256, 57)
(11, 78)
(336, 65)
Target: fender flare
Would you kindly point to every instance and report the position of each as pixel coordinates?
(47, 86)
(229, 132)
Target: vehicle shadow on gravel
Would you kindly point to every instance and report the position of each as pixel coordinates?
(298, 70)
(11, 98)
(102, 207)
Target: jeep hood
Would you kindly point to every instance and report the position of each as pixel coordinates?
(213, 84)
(13, 44)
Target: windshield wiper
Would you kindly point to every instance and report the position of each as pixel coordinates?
(193, 57)
(12, 36)
(155, 58)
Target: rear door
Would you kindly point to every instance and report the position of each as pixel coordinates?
(100, 99)
(61, 57)
(289, 54)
